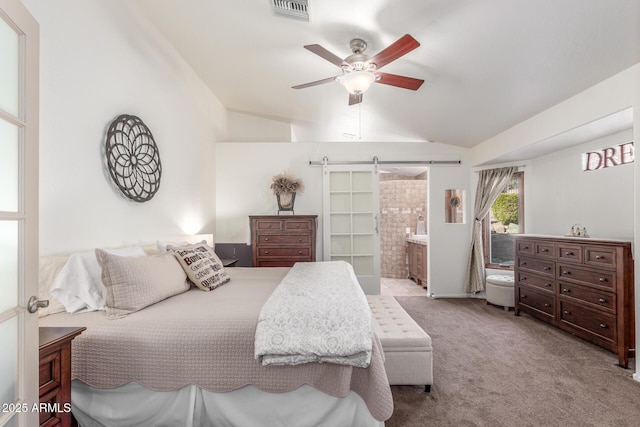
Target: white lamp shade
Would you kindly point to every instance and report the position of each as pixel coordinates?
(357, 82)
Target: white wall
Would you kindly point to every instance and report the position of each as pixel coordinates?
(248, 128)
(244, 172)
(562, 194)
(99, 59)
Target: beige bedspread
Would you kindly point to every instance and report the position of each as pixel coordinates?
(207, 339)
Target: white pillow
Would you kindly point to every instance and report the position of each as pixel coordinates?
(162, 245)
(78, 286)
(50, 266)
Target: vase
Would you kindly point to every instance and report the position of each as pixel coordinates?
(285, 201)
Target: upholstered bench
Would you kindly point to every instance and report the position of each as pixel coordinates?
(407, 348)
(500, 290)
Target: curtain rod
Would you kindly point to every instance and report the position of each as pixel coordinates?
(375, 161)
(486, 169)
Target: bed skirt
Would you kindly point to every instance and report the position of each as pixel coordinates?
(191, 406)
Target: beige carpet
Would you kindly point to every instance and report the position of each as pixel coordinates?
(492, 368)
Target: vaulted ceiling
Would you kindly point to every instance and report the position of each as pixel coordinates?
(487, 64)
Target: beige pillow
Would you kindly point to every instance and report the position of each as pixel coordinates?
(133, 283)
(202, 265)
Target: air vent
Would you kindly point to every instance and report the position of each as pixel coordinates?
(297, 9)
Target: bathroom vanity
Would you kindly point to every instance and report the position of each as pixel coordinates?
(417, 251)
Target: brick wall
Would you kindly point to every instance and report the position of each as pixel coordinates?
(402, 200)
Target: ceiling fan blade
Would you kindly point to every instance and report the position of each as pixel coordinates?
(316, 83)
(399, 81)
(324, 53)
(402, 46)
(355, 99)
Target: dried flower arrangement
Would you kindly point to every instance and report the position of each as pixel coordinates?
(286, 183)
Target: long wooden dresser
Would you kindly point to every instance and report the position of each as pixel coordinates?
(281, 241)
(581, 285)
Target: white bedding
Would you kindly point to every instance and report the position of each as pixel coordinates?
(133, 405)
(318, 313)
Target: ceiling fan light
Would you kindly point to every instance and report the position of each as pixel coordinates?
(357, 82)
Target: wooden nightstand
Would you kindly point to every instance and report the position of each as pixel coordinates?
(229, 262)
(55, 374)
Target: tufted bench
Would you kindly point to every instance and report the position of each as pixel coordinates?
(500, 290)
(407, 348)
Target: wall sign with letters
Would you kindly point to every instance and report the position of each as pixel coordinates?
(608, 157)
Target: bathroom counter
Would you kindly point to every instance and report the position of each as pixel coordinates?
(420, 239)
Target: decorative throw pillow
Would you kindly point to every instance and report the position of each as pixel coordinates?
(78, 286)
(133, 283)
(202, 265)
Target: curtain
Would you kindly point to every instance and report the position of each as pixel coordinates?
(490, 184)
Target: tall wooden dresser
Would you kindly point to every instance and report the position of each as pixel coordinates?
(583, 286)
(281, 241)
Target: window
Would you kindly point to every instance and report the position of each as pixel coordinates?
(505, 218)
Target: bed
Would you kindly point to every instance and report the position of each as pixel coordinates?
(189, 360)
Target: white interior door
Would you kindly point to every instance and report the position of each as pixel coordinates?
(351, 206)
(18, 214)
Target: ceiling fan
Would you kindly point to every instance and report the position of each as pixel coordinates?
(359, 70)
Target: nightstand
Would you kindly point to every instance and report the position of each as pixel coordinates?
(229, 262)
(55, 374)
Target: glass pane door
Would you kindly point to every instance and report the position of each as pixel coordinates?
(351, 206)
(18, 230)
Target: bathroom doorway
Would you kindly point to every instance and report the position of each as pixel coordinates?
(403, 214)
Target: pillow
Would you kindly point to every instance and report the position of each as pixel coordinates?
(49, 267)
(162, 246)
(202, 265)
(133, 283)
(78, 286)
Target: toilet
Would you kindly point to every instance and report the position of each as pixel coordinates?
(500, 290)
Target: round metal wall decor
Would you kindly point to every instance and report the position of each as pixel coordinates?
(133, 158)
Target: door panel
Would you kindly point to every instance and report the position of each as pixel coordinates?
(351, 207)
(19, 50)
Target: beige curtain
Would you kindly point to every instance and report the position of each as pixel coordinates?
(490, 184)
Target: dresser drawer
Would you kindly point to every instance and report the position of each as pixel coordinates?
(536, 265)
(601, 257)
(570, 253)
(544, 283)
(604, 279)
(541, 301)
(269, 225)
(594, 321)
(524, 247)
(603, 299)
(301, 252)
(293, 225)
(545, 250)
(287, 239)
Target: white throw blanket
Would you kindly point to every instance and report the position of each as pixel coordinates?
(318, 313)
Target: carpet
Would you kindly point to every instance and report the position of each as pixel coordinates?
(492, 368)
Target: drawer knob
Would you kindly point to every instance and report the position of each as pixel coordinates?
(298, 225)
(603, 326)
(523, 263)
(565, 290)
(602, 300)
(300, 239)
(525, 247)
(548, 285)
(602, 280)
(299, 252)
(599, 257)
(547, 268)
(266, 252)
(545, 250)
(566, 272)
(567, 312)
(523, 296)
(547, 305)
(569, 253)
(266, 238)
